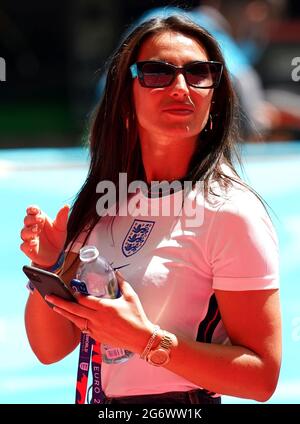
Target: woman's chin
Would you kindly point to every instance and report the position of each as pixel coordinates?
(182, 128)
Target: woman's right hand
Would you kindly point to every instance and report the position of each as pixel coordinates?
(44, 238)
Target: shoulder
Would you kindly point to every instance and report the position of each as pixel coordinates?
(238, 214)
(237, 200)
(240, 203)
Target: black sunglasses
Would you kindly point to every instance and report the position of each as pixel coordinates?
(156, 74)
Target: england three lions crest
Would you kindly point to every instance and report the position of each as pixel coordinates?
(137, 236)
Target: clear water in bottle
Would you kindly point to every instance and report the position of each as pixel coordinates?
(100, 280)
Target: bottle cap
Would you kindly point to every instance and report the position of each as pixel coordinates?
(88, 253)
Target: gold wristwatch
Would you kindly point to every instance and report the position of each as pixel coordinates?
(161, 354)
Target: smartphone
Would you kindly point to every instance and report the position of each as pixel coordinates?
(48, 283)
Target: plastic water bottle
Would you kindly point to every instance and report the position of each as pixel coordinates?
(99, 279)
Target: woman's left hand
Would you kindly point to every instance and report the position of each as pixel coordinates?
(119, 322)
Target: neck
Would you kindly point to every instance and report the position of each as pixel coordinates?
(166, 159)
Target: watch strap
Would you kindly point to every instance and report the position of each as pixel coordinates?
(166, 341)
(150, 342)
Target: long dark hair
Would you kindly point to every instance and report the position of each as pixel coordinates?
(113, 139)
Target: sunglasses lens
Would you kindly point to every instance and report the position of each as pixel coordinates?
(157, 74)
(202, 74)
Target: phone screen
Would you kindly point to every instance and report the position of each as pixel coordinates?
(48, 283)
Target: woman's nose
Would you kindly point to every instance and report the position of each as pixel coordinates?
(179, 86)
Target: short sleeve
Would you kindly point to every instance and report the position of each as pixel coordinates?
(242, 247)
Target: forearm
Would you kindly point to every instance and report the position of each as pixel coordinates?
(228, 370)
(50, 335)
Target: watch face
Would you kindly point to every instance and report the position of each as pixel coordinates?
(159, 357)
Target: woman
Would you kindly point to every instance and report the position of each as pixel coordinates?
(211, 285)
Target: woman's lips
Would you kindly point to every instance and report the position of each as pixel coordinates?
(179, 112)
(178, 109)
